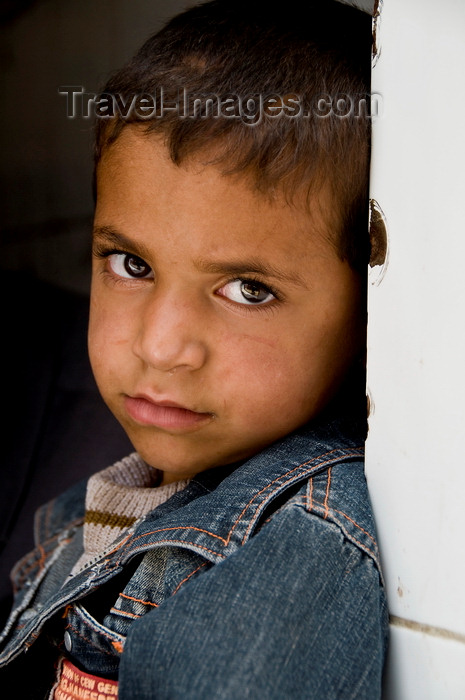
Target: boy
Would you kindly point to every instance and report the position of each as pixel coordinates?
(233, 554)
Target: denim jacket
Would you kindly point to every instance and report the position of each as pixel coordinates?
(260, 580)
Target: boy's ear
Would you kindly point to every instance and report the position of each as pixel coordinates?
(378, 235)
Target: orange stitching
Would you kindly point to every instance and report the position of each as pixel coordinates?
(73, 525)
(328, 486)
(335, 510)
(27, 567)
(304, 464)
(30, 567)
(119, 545)
(356, 525)
(31, 640)
(365, 549)
(194, 544)
(361, 545)
(188, 577)
(184, 527)
(31, 561)
(321, 464)
(355, 452)
(70, 626)
(23, 572)
(138, 600)
(124, 613)
(89, 624)
(311, 494)
(43, 557)
(66, 610)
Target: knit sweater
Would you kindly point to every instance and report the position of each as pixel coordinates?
(116, 497)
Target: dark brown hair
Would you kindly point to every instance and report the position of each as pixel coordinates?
(312, 53)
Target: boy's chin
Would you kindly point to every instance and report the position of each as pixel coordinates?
(179, 461)
(176, 464)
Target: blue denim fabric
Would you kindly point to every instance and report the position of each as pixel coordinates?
(259, 581)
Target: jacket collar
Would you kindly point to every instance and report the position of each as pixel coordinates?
(219, 509)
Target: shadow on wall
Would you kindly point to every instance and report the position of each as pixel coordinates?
(56, 429)
(46, 164)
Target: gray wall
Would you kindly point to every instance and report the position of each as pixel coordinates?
(46, 158)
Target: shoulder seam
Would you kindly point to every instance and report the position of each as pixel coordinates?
(324, 511)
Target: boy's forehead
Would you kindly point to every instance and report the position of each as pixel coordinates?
(139, 187)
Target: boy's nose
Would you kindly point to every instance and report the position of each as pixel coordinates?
(170, 336)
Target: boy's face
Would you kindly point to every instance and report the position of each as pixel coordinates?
(220, 320)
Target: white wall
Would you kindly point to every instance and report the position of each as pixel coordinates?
(416, 344)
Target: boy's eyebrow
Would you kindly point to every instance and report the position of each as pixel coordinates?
(251, 266)
(113, 237)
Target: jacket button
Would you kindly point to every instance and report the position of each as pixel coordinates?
(68, 641)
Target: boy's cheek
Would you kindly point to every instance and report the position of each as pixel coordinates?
(106, 347)
(109, 319)
(260, 344)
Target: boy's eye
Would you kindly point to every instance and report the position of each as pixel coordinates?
(246, 292)
(129, 266)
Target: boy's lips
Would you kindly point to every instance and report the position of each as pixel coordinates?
(163, 413)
